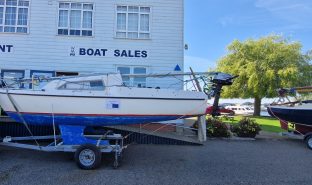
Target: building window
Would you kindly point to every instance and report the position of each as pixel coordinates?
(133, 81)
(14, 16)
(133, 22)
(75, 19)
(62, 73)
(10, 77)
(42, 75)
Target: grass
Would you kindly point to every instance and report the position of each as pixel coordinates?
(266, 123)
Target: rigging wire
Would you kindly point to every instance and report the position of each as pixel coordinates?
(165, 125)
(21, 117)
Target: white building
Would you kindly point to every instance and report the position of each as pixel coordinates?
(53, 38)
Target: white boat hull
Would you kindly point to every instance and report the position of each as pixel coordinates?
(101, 108)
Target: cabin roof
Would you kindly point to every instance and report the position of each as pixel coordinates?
(108, 79)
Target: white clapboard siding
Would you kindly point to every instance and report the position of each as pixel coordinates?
(43, 49)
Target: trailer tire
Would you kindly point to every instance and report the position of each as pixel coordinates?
(308, 141)
(88, 157)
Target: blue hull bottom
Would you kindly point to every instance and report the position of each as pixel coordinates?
(47, 119)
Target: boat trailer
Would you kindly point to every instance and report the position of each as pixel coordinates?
(298, 130)
(301, 132)
(87, 149)
(307, 138)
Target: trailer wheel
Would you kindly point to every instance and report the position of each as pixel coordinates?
(88, 157)
(308, 141)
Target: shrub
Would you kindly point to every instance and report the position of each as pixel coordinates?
(216, 128)
(246, 127)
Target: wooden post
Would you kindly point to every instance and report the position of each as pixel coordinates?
(202, 130)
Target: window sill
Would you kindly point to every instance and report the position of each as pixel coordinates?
(138, 39)
(76, 36)
(13, 33)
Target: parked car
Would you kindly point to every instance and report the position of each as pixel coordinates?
(241, 110)
(220, 110)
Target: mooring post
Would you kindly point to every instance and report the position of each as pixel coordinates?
(202, 130)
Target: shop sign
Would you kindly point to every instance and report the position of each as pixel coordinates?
(100, 52)
(6, 48)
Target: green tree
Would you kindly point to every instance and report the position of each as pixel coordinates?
(263, 66)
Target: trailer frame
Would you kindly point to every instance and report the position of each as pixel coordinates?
(58, 146)
(307, 138)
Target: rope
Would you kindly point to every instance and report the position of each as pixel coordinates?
(54, 130)
(21, 117)
(282, 119)
(35, 81)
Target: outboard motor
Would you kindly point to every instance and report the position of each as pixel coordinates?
(218, 81)
(223, 79)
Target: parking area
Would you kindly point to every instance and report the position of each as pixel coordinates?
(264, 161)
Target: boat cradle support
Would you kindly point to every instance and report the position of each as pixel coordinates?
(86, 147)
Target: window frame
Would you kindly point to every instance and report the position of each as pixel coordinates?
(139, 22)
(131, 79)
(39, 71)
(14, 71)
(16, 20)
(63, 86)
(81, 21)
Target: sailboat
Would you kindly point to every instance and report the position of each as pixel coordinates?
(101, 100)
(74, 103)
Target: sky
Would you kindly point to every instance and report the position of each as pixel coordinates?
(211, 25)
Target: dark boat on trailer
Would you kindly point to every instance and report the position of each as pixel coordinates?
(298, 113)
(301, 114)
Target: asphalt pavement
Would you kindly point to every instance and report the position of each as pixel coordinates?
(264, 161)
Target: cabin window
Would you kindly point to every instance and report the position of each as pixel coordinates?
(14, 15)
(133, 81)
(75, 19)
(85, 85)
(133, 22)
